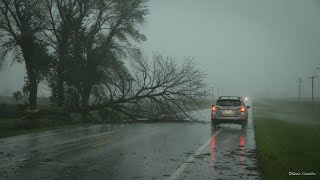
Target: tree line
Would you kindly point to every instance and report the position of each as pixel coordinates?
(85, 51)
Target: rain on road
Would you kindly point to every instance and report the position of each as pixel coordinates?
(134, 151)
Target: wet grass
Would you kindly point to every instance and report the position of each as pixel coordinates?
(285, 147)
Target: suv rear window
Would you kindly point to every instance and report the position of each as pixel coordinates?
(229, 102)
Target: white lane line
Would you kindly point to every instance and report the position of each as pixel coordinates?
(52, 134)
(190, 159)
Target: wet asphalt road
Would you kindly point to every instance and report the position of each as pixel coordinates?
(133, 151)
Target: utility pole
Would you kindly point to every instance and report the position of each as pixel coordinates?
(219, 92)
(312, 78)
(300, 81)
(222, 91)
(318, 68)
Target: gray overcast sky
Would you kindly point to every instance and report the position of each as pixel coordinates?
(243, 45)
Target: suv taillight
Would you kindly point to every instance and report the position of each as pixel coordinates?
(242, 109)
(214, 108)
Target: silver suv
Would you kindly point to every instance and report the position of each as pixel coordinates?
(229, 109)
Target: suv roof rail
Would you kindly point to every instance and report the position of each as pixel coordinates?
(230, 97)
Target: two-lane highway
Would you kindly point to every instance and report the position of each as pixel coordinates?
(133, 151)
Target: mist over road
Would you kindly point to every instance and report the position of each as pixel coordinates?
(133, 151)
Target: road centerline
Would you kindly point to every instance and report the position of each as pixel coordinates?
(191, 159)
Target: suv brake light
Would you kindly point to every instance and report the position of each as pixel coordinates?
(242, 109)
(214, 108)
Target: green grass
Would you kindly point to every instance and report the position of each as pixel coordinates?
(285, 147)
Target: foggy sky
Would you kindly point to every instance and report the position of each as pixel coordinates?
(244, 46)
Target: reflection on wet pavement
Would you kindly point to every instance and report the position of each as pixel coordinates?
(233, 155)
(213, 148)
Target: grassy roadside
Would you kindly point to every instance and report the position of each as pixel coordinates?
(285, 147)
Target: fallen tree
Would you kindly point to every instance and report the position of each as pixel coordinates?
(150, 89)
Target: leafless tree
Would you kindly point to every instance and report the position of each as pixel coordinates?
(152, 89)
